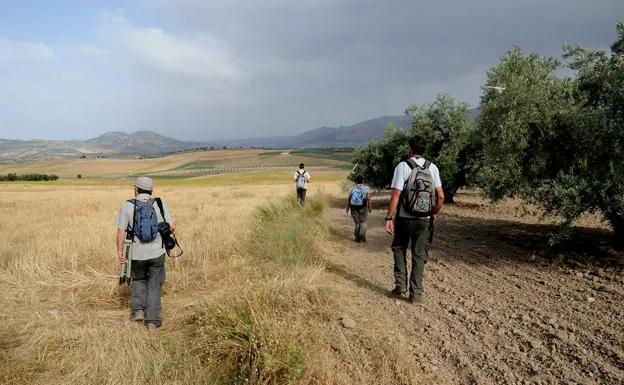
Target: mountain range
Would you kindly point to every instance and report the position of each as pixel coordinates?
(151, 144)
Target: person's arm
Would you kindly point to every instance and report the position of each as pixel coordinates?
(121, 237)
(368, 202)
(122, 223)
(439, 202)
(394, 202)
(398, 181)
(437, 184)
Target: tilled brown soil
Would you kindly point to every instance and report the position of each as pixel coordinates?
(497, 308)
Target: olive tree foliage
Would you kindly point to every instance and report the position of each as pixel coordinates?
(556, 141)
(523, 124)
(600, 119)
(376, 162)
(446, 126)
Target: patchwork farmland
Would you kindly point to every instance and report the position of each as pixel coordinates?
(189, 164)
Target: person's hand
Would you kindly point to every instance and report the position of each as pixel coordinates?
(435, 216)
(122, 257)
(390, 227)
(347, 210)
(172, 226)
(370, 211)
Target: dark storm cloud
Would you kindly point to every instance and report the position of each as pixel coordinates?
(331, 62)
(235, 68)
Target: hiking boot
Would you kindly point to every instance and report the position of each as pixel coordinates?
(414, 298)
(139, 316)
(398, 291)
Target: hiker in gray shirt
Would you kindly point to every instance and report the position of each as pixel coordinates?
(147, 251)
(359, 202)
(413, 224)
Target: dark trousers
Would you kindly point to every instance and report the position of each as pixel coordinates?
(415, 232)
(301, 194)
(147, 279)
(360, 215)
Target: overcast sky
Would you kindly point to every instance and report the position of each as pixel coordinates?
(223, 69)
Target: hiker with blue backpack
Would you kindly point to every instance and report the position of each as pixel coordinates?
(416, 200)
(139, 220)
(301, 179)
(359, 202)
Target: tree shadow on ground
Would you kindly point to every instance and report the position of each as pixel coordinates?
(461, 236)
(493, 241)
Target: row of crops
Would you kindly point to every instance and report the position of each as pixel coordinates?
(267, 160)
(195, 172)
(245, 164)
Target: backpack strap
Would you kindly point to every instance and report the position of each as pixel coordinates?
(412, 164)
(160, 206)
(133, 201)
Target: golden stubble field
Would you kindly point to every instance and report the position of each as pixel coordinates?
(65, 319)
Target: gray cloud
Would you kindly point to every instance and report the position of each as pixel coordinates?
(234, 68)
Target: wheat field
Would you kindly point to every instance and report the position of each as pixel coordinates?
(247, 302)
(64, 318)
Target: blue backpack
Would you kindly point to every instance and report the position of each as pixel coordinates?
(145, 221)
(357, 196)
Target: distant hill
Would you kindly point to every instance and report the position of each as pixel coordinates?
(111, 144)
(344, 136)
(145, 143)
(358, 134)
(151, 144)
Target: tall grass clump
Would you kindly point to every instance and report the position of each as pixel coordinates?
(260, 332)
(245, 346)
(286, 234)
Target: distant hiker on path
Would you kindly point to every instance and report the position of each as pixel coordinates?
(359, 202)
(301, 179)
(139, 217)
(417, 194)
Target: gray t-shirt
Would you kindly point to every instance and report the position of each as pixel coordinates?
(402, 172)
(142, 251)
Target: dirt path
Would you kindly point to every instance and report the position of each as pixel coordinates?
(494, 312)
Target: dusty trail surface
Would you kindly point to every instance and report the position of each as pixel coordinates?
(496, 309)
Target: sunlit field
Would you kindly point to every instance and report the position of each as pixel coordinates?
(246, 303)
(64, 318)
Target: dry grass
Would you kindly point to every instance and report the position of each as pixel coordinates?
(249, 302)
(65, 320)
